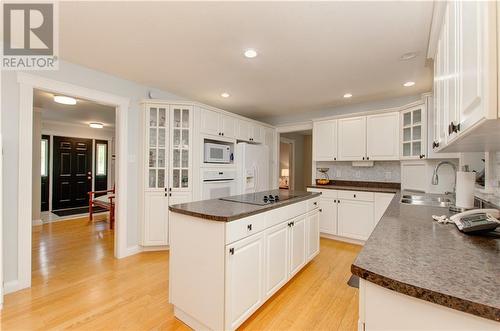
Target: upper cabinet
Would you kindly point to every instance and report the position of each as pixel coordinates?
(465, 77)
(361, 138)
(325, 140)
(382, 136)
(181, 152)
(218, 124)
(413, 133)
(251, 132)
(352, 139)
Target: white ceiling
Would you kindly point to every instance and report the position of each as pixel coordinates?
(310, 53)
(83, 113)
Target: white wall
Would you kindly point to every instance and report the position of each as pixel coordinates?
(82, 76)
(348, 108)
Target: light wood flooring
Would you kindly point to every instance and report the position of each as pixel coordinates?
(78, 285)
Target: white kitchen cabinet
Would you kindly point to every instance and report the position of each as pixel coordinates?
(312, 227)
(328, 215)
(297, 244)
(244, 279)
(356, 219)
(155, 231)
(244, 130)
(228, 126)
(413, 133)
(216, 123)
(156, 123)
(209, 121)
(465, 83)
(180, 148)
(325, 140)
(382, 136)
(277, 256)
(352, 138)
(257, 133)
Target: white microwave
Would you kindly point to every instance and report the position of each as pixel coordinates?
(217, 153)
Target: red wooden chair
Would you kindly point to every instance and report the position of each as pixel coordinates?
(106, 201)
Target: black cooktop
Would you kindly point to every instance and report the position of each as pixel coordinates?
(261, 198)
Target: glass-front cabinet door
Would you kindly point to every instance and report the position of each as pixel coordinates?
(181, 151)
(413, 133)
(156, 147)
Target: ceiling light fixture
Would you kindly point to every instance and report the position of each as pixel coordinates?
(408, 56)
(347, 95)
(250, 53)
(409, 84)
(64, 100)
(96, 125)
(225, 95)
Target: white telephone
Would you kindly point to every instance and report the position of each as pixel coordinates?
(477, 220)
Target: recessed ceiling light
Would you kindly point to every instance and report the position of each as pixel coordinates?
(225, 95)
(96, 125)
(408, 56)
(64, 100)
(408, 84)
(250, 53)
(347, 95)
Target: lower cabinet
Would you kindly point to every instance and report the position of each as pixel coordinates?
(277, 243)
(312, 228)
(297, 244)
(259, 265)
(356, 219)
(351, 214)
(155, 229)
(244, 279)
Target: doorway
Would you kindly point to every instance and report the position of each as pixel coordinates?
(295, 154)
(27, 85)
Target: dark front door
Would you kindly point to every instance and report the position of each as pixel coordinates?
(45, 153)
(101, 166)
(72, 172)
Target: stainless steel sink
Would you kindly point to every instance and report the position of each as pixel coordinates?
(432, 200)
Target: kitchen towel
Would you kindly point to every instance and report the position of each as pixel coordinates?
(465, 189)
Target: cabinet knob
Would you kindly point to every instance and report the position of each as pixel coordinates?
(334, 201)
(315, 203)
(249, 227)
(320, 210)
(222, 133)
(334, 159)
(367, 157)
(354, 195)
(453, 128)
(363, 157)
(338, 201)
(231, 251)
(421, 156)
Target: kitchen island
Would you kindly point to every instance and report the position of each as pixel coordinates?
(227, 257)
(417, 274)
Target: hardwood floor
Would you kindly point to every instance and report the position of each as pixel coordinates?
(78, 285)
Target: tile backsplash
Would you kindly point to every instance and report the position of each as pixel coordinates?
(382, 171)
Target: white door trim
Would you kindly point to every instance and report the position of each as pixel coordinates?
(27, 82)
(291, 177)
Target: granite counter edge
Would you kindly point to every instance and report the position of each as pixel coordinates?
(243, 215)
(474, 308)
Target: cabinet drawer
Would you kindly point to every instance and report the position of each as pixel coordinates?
(312, 204)
(356, 195)
(282, 214)
(245, 227)
(325, 193)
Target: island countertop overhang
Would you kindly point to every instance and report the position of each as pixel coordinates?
(227, 211)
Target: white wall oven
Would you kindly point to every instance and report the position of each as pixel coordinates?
(218, 183)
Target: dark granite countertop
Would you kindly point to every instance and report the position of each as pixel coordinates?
(227, 211)
(410, 253)
(381, 187)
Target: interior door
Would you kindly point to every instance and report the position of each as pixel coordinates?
(45, 172)
(101, 166)
(72, 164)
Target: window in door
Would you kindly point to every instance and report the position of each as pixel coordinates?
(102, 156)
(44, 172)
(44, 157)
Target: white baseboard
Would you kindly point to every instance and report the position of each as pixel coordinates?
(132, 250)
(37, 222)
(344, 239)
(11, 286)
(155, 248)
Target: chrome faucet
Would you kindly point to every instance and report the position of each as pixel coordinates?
(435, 177)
